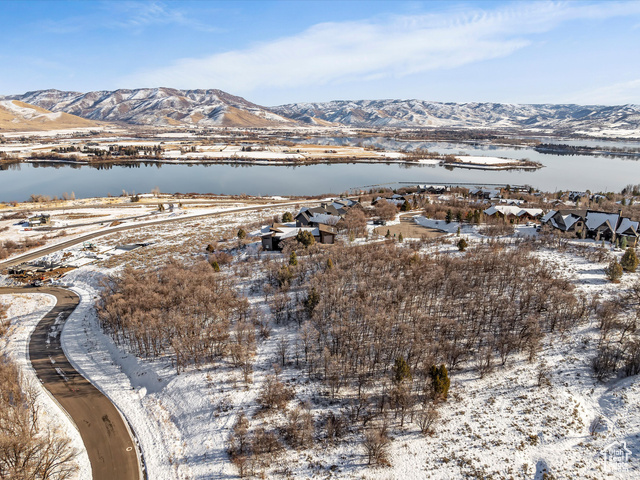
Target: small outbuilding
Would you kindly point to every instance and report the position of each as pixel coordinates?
(39, 220)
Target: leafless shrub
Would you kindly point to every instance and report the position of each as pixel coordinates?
(220, 257)
(239, 444)
(427, 417)
(544, 376)
(596, 425)
(335, 427)
(498, 229)
(607, 361)
(275, 394)
(299, 429)
(376, 444)
(266, 442)
(10, 247)
(4, 322)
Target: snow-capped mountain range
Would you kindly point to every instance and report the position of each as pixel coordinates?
(157, 106)
(419, 113)
(168, 106)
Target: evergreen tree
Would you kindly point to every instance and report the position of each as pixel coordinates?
(405, 207)
(311, 301)
(623, 243)
(215, 266)
(293, 259)
(287, 217)
(629, 261)
(242, 234)
(305, 237)
(388, 235)
(401, 370)
(462, 244)
(449, 216)
(440, 381)
(614, 271)
(459, 216)
(400, 238)
(329, 264)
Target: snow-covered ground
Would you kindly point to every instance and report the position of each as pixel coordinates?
(503, 425)
(480, 160)
(25, 311)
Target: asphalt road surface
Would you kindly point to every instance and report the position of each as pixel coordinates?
(112, 452)
(83, 238)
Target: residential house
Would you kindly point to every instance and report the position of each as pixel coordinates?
(485, 193)
(594, 224)
(433, 189)
(325, 214)
(397, 199)
(276, 233)
(38, 220)
(514, 212)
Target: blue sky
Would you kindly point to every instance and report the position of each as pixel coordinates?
(274, 52)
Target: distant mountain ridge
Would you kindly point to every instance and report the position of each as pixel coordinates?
(211, 107)
(419, 113)
(157, 106)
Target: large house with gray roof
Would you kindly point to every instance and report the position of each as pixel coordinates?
(594, 224)
(325, 214)
(276, 233)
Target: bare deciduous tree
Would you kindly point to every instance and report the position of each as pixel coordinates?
(29, 450)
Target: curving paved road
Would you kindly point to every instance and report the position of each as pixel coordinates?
(83, 238)
(112, 451)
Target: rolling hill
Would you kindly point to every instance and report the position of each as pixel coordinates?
(158, 106)
(18, 116)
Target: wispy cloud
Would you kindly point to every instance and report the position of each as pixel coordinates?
(139, 15)
(337, 52)
(620, 93)
(130, 15)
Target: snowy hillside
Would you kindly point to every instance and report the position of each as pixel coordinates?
(157, 106)
(20, 116)
(419, 113)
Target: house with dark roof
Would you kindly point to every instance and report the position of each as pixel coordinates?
(325, 214)
(594, 224)
(433, 189)
(485, 193)
(276, 233)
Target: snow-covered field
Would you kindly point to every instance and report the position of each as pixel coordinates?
(501, 426)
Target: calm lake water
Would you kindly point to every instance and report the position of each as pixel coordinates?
(560, 172)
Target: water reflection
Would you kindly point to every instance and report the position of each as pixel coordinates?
(575, 172)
